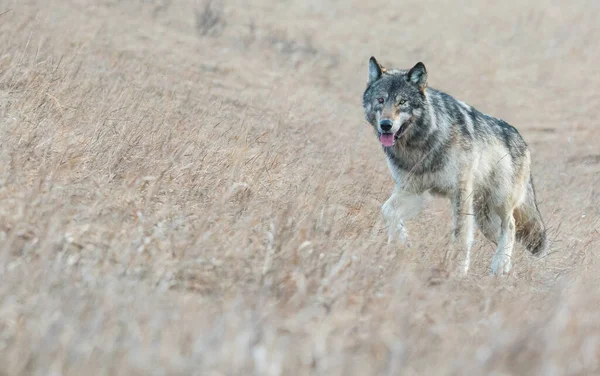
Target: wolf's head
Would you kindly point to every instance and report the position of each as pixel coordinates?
(394, 101)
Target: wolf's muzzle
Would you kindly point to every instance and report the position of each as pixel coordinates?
(386, 125)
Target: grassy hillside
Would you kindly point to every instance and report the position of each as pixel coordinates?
(189, 187)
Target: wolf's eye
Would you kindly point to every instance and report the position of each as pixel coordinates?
(401, 101)
(380, 100)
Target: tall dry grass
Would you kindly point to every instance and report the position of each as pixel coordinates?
(189, 188)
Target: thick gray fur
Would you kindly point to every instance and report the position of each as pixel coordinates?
(446, 147)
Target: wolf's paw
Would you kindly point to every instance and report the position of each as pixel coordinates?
(398, 232)
(459, 263)
(462, 269)
(395, 225)
(501, 264)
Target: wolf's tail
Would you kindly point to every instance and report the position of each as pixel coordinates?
(530, 228)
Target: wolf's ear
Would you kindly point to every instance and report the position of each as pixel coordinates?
(375, 70)
(418, 76)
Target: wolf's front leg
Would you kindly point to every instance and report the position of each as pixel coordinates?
(463, 215)
(399, 207)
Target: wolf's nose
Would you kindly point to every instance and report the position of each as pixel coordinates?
(386, 125)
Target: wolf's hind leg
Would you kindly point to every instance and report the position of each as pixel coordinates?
(488, 222)
(502, 260)
(399, 207)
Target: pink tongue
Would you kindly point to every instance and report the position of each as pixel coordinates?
(387, 139)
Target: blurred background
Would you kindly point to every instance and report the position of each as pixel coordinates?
(189, 187)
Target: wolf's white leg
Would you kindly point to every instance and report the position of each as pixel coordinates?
(501, 262)
(463, 219)
(399, 207)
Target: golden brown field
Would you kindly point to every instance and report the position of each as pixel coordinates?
(189, 188)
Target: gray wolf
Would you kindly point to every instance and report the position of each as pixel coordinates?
(436, 144)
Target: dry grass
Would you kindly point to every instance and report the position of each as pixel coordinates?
(182, 202)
